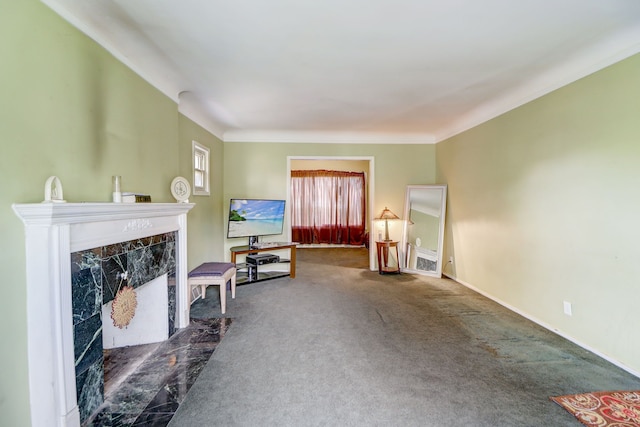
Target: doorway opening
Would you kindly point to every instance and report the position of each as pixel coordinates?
(340, 163)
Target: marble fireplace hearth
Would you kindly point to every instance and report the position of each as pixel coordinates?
(55, 231)
(150, 392)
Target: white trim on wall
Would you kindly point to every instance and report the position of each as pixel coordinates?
(370, 194)
(544, 325)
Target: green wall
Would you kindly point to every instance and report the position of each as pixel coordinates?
(68, 108)
(543, 207)
(259, 170)
(205, 229)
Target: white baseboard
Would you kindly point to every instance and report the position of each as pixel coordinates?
(546, 326)
(326, 246)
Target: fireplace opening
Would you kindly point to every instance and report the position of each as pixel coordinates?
(137, 316)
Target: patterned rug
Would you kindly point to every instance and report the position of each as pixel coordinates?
(603, 409)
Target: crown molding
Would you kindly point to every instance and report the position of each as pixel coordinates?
(608, 52)
(83, 23)
(189, 107)
(319, 137)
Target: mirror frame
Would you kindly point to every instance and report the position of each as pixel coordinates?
(407, 218)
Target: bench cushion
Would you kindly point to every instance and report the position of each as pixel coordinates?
(211, 269)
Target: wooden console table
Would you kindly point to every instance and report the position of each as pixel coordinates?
(264, 247)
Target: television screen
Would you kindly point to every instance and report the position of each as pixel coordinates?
(255, 217)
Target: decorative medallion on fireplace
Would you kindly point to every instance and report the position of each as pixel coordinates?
(124, 306)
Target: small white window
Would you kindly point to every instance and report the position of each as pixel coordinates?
(200, 170)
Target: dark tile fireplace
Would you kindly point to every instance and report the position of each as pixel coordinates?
(75, 255)
(96, 276)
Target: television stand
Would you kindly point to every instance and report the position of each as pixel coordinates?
(249, 273)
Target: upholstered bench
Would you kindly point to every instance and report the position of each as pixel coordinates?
(218, 274)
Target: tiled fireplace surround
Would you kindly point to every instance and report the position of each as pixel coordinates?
(95, 280)
(64, 242)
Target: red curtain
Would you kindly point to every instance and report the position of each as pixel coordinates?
(328, 207)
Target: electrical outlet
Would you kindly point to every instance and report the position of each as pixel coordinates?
(567, 308)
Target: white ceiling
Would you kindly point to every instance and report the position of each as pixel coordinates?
(404, 71)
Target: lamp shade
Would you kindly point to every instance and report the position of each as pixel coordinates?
(386, 214)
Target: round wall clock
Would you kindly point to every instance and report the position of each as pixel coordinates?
(180, 189)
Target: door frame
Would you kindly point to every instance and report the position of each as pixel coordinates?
(370, 192)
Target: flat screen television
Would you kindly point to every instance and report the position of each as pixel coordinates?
(255, 217)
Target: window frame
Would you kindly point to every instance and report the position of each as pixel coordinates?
(199, 151)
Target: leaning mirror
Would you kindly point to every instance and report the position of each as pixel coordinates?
(424, 212)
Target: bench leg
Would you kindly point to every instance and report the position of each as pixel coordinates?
(203, 282)
(223, 296)
(233, 286)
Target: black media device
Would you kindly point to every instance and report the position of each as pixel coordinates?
(260, 259)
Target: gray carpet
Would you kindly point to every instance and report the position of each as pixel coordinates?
(340, 345)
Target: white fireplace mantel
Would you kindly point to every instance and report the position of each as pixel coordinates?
(52, 232)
